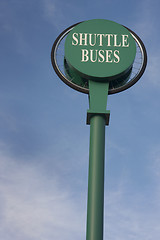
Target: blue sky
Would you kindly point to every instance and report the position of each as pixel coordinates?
(44, 139)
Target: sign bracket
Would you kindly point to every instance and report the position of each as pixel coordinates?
(98, 94)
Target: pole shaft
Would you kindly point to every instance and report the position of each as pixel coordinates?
(96, 178)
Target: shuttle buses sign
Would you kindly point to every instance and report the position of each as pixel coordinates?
(100, 50)
(100, 57)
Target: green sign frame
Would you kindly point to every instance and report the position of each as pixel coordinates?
(82, 85)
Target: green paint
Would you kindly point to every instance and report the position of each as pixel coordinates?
(100, 50)
(98, 96)
(98, 114)
(96, 179)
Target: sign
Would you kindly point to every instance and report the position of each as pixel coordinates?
(100, 50)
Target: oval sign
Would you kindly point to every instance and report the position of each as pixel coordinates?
(100, 50)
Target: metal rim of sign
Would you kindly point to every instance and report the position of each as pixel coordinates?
(139, 65)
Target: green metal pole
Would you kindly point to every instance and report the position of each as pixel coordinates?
(97, 117)
(96, 178)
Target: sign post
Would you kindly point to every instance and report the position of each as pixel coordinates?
(100, 51)
(98, 117)
(99, 58)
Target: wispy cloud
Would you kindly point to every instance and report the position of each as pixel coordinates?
(37, 206)
(132, 220)
(132, 214)
(153, 68)
(145, 18)
(12, 28)
(154, 165)
(49, 9)
(53, 13)
(34, 206)
(147, 25)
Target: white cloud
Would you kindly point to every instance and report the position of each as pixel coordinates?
(34, 206)
(144, 20)
(12, 27)
(154, 166)
(130, 220)
(53, 13)
(146, 25)
(153, 69)
(132, 214)
(8, 120)
(49, 9)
